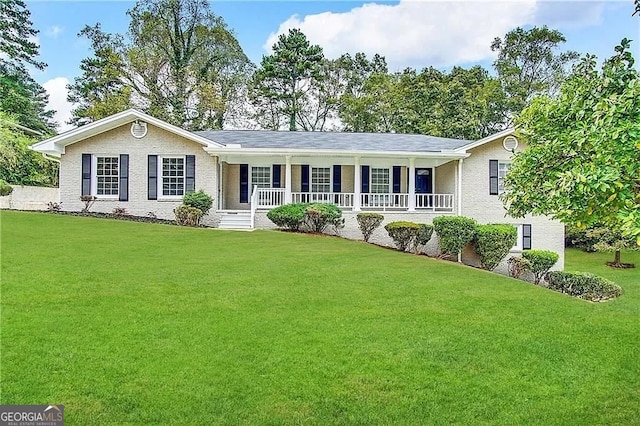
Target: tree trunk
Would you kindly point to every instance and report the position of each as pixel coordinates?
(616, 260)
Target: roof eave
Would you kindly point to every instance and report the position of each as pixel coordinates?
(453, 154)
(57, 143)
(487, 139)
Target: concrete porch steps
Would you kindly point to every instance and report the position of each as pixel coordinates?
(235, 221)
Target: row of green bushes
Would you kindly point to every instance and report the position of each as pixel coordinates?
(311, 217)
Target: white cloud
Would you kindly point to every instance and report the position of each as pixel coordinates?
(54, 31)
(57, 90)
(418, 33)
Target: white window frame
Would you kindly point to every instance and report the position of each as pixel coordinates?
(161, 177)
(94, 177)
(503, 168)
(371, 183)
(269, 176)
(316, 184)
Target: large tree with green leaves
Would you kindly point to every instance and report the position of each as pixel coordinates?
(179, 62)
(529, 63)
(20, 95)
(582, 164)
(100, 90)
(19, 165)
(285, 78)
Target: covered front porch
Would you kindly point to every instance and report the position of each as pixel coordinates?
(429, 183)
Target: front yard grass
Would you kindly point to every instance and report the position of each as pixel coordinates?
(132, 323)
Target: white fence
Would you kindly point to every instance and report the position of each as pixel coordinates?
(30, 198)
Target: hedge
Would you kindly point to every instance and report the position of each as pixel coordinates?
(541, 262)
(199, 200)
(455, 232)
(288, 216)
(583, 285)
(409, 235)
(493, 242)
(368, 222)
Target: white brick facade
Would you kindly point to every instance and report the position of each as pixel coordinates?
(120, 141)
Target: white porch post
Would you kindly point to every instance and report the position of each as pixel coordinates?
(357, 185)
(287, 180)
(220, 186)
(412, 185)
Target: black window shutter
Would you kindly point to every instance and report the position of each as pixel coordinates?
(244, 183)
(152, 177)
(190, 173)
(337, 178)
(123, 189)
(526, 237)
(86, 174)
(365, 179)
(396, 179)
(304, 172)
(493, 177)
(277, 176)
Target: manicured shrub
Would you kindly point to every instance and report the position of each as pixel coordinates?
(424, 234)
(320, 215)
(289, 216)
(493, 242)
(583, 285)
(187, 215)
(541, 262)
(403, 234)
(455, 232)
(5, 188)
(518, 266)
(368, 222)
(200, 200)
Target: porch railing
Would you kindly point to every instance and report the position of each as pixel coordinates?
(266, 198)
(270, 197)
(340, 199)
(254, 205)
(436, 202)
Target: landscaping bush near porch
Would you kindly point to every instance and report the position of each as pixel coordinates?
(408, 235)
(314, 217)
(493, 242)
(455, 232)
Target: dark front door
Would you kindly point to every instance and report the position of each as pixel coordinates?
(424, 181)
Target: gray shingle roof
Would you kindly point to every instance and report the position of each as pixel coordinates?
(332, 140)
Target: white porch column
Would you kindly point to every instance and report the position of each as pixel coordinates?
(412, 185)
(357, 185)
(287, 180)
(220, 186)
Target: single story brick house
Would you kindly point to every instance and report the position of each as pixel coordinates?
(145, 165)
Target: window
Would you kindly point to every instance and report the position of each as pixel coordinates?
(524, 238)
(261, 177)
(172, 176)
(321, 179)
(379, 181)
(107, 176)
(502, 172)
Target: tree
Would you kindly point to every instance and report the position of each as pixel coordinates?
(17, 33)
(19, 165)
(286, 76)
(581, 165)
(529, 64)
(179, 63)
(20, 95)
(101, 90)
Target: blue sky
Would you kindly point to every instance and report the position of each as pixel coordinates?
(408, 32)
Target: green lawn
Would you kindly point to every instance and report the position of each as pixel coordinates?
(129, 323)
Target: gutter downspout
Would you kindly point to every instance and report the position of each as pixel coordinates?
(459, 197)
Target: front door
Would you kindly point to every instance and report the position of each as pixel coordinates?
(424, 181)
